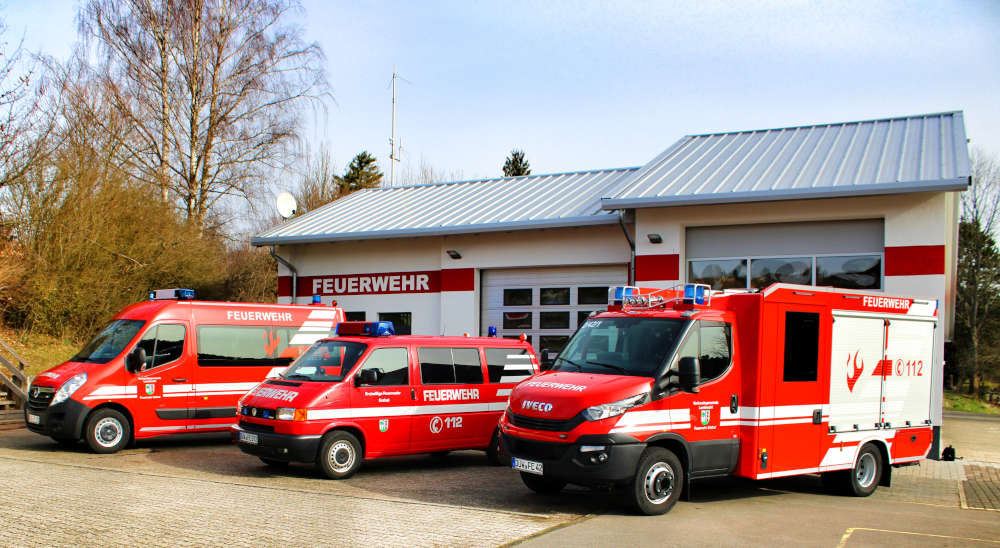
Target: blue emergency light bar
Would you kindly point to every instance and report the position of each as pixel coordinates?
(366, 329)
(696, 293)
(168, 294)
(617, 295)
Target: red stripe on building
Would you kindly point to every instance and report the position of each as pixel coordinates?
(657, 267)
(458, 279)
(914, 260)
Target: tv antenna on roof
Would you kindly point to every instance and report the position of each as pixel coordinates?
(394, 150)
(286, 205)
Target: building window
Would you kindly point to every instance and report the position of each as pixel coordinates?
(592, 295)
(517, 320)
(553, 320)
(843, 271)
(554, 296)
(517, 297)
(355, 316)
(402, 322)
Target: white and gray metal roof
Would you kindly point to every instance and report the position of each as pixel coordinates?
(921, 153)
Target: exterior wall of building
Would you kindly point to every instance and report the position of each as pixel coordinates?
(417, 275)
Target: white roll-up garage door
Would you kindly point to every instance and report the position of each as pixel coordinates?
(547, 304)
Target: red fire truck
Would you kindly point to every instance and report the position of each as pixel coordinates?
(369, 394)
(170, 365)
(669, 386)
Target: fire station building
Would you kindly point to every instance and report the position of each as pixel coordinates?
(868, 205)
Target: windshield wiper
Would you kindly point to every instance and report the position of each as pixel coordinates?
(297, 375)
(608, 365)
(571, 362)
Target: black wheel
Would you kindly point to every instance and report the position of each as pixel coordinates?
(867, 472)
(494, 453)
(542, 484)
(107, 431)
(274, 463)
(658, 481)
(339, 455)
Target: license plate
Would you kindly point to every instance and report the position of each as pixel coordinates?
(528, 466)
(34, 419)
(249, 438)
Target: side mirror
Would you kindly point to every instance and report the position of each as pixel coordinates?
(135, 360)
(690, 374)
(366, 376)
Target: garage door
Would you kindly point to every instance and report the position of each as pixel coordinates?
(547, 304)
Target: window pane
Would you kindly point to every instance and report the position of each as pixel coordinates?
(517, 320)
(401, 321)
(764, 272)
(510, 364)
(554, 295)
(148, 344)
(592, 295)
(232, 345)
(517, 297)
(436, 366)
(725, 274)
(553, 320)
(581, 317)
(468, 368)
(169, 343)
(715, 344)
(801, 346)
(850, 272)
(355, 316)
(328, 361)
(109, 342)
(552, 345)
(392, 365)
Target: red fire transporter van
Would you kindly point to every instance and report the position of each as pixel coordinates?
(669, 386)
(370, 394)
(170, 365)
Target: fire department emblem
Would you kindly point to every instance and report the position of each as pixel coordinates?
(150, 388)
(383, 425)
(706, 415)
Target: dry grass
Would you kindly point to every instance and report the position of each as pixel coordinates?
(40, 351)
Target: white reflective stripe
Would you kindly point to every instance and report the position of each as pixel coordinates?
(513, 378)
(112, 397)
(325, 325)
(321, 314)
(773, 412)
(518, 367)
(649, 427)
(518, 357)
(171, 388)
(324, 330)
(227, 393)
(181, 394)
(113, 390)
(306, 338)
(659, 416)
(503, 392)
(788, 473)
(224, 386)
(410, 410)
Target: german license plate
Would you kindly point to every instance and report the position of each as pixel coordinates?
(249, 438)
(34, 419)
(528, 466)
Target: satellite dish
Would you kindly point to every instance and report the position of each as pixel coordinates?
(286, 205)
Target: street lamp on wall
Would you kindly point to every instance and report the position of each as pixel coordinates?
(654, 238)
(454, 254)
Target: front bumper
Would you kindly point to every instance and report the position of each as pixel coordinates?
(283, 447)
(565, 462)
(63, 421)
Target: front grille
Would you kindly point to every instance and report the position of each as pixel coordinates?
(549, 425)
(39, 398)
(253, 427)
(540, 450)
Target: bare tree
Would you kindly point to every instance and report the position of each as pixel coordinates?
(214, 91)
(20, 119)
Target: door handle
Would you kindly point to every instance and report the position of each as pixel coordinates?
(179, 380)
(734, 403)
(817, 416)
(413, 394)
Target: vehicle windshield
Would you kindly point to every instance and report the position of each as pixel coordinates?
(109, 342)
(621, 346)
(326, 361)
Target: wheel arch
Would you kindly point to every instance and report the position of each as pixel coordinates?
(679, 446)
(352, 429)
(80, 434)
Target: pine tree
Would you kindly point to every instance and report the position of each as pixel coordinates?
(516, 164)
(362, 172)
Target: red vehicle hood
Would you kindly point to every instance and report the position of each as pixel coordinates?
(274, 393)
(561, 395)
(61, 373)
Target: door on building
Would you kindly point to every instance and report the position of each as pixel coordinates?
(546, 304)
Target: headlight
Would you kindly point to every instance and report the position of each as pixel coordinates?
(606, 410)
(291, 414)
(68, 387)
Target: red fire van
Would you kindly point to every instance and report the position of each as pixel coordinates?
(369, 394)
(170, 365)
(669, 386)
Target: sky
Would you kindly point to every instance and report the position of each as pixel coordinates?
(590, 85)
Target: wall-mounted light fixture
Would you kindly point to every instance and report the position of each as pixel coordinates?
(454, 254)
(654, 238)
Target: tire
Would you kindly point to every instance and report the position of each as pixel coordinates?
(867, 472)
(274, 463)
(107, 431)
(542, 484)
(659, 480)
(494, 453)
(339, 455)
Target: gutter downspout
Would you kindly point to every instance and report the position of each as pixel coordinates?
(631, 245)
(295, 273)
